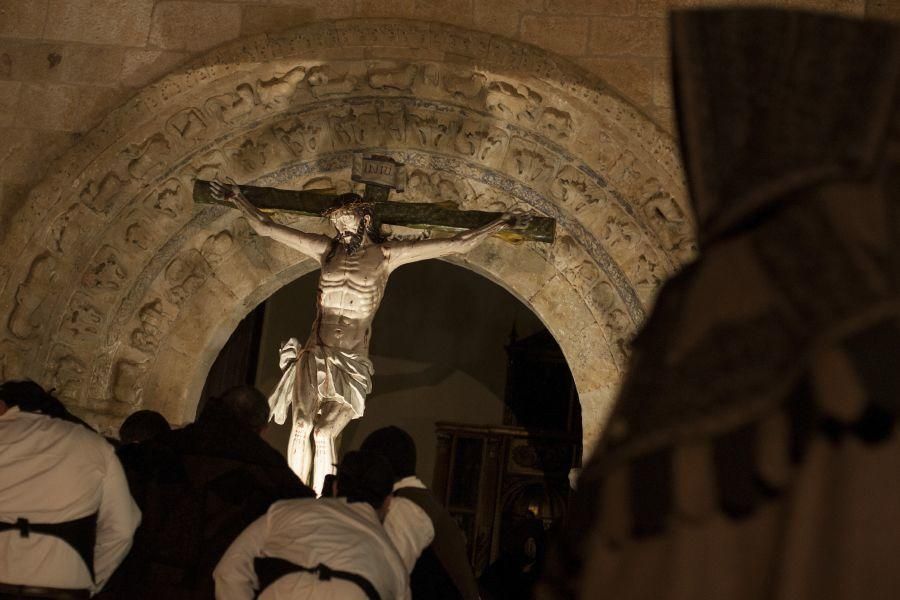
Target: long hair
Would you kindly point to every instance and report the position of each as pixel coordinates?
(354, 203)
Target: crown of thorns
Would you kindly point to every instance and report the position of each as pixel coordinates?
(350, 203)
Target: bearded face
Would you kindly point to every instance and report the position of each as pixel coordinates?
(351, 229)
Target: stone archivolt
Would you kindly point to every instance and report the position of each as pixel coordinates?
(122, 292)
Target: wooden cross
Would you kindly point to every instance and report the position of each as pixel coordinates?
(381, 175)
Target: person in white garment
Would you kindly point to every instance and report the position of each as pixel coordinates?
(67, 518)
(427, 537)
(325, 549)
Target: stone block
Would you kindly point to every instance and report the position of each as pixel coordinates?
(65, 107)
(849, 8)
(120, 22)
(100, 65)
(562, 309)
(22, 18)
(523, 270)
(665, 118)
(455, 12)
(502, 16)
(636, 37)
(26, 153)
(662, 84)
(266, 19)
(563, 35)
(12, 197)
(141, 67)
(596, 406)
(657, 9)
(9, 99)
(60, 62)
(590, 357)
(385, 8)
(194, 25)
(169, 395)
(856, 8)
(613, 8)
(883, 9)
(202, 314)
(632, 77)
(24, 60)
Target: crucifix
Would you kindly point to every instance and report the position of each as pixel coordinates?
(326, 381)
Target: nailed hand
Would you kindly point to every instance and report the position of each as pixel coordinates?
(517, 220)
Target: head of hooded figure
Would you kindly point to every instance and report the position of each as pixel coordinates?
(366, 477)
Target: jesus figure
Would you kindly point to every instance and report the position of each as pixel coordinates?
(327, 380)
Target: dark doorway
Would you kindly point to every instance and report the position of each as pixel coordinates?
(237, 362)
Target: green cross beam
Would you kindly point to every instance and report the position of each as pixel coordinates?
(381, 175)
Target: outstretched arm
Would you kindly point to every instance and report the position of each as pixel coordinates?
(310, 244)
(401, 253)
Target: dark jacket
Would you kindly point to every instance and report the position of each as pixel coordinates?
(198, 488)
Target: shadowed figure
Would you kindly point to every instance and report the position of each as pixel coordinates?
(142, 425)
(198, 487)
(66, 516)
(425, 534)
(753, 451)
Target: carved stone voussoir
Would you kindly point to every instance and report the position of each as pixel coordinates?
(106, 273)
(83, 320)
(154, 320)
(482, 122)
(26, 320)
(169, 200)
(185, 275)
(125, 386)
(67, 373)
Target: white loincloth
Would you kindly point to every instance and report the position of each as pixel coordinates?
(320, 374)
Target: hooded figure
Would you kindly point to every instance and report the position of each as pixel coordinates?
(753, 451)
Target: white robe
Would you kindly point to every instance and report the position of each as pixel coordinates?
(330, 531)
(408, 526)
(52, 471)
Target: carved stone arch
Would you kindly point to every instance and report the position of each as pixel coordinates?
(122, 292)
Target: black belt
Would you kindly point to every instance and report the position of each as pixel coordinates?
(11, 592)
(270, 569)
(80, 534)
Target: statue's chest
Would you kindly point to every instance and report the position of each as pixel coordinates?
(366, 268)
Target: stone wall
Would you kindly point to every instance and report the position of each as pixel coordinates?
(65, 63)
(117, 291)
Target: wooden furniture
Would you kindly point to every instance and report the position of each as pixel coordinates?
(493, 478)
(496, 479)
